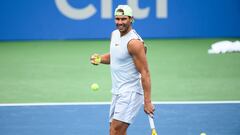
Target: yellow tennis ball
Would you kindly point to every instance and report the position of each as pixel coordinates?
(94, 86)
(98, 60)
(203, 133)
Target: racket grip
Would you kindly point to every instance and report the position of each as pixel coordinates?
(151, 122)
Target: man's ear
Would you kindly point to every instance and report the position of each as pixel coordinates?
(131, 19)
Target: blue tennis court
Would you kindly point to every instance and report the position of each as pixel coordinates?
(170, 119)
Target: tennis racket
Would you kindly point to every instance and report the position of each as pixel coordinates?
(152, 125)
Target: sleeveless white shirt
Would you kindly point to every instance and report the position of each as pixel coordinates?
(125, 76)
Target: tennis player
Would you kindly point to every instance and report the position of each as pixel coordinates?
(131, 85)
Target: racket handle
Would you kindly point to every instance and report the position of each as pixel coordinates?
(151, 122)
(154, 132)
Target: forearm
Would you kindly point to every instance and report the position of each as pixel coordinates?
(146, 83)
(105, 58)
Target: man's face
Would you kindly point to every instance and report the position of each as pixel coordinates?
(123, 23)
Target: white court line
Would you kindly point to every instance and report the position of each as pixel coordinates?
(108, 103)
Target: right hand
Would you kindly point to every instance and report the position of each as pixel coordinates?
(95, 59)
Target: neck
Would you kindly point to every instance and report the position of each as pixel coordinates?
(125, 32)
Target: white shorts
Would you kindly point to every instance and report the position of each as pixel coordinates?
(125, 106)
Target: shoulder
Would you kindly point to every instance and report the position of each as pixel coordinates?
(115, 33)
(135, 46)
(135, 35)
(136, 42)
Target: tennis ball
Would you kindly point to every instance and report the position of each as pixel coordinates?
(98, 59)
(94, 86)
(203, 133)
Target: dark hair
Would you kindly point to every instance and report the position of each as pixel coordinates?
(120, 10)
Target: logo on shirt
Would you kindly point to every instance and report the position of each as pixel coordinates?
(116, 44)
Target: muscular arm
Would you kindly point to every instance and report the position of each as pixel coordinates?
(137, 50)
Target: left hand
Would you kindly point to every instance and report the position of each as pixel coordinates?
(149, 108)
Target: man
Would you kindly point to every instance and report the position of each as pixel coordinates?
(131, 85)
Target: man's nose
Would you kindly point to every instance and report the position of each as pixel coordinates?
(119, 22)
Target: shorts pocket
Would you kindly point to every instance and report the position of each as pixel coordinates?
(123, 101)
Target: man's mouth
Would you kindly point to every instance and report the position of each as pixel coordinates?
(120, 26)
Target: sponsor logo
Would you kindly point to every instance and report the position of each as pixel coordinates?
(106, 9)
